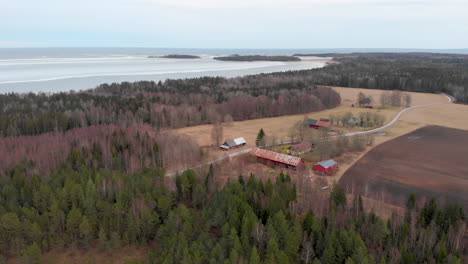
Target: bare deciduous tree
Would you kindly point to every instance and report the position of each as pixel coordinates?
(217, 133)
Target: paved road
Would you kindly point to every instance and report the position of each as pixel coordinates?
(389, 124)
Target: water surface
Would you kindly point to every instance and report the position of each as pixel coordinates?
(49, 70)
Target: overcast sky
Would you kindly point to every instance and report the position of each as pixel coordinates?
(432, 24)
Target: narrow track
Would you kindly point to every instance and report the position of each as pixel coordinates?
(350, 134)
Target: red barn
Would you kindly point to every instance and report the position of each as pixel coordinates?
(271, 157)
(325, 167)
(312, 123)
(322, 123)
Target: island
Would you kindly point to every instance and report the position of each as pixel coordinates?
(176, 56)
(257, 58)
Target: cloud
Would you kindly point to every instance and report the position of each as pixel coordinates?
(20, 44)
(229, 4)
(234, 23)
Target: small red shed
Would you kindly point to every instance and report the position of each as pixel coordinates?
(325, 167)
(322, 123)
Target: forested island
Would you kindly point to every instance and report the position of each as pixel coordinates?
(176, 56)
(257, 58)
(88, 170)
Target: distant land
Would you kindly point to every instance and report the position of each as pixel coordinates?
(176, 56)
(257, 58)
(383, 55)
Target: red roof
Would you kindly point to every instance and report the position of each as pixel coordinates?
(322, 123)
(301, 146)
(275, 156)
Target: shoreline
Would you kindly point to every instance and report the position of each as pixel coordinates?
(86, 81)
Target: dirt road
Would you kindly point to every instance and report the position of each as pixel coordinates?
(389, 124)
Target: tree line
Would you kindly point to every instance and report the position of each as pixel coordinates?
(415, 72)
(246, 221)
(169, 104)
(128, 149)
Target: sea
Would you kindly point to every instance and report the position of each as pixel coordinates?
(52, 70)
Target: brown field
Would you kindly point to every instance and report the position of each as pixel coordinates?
(278, 127)
(449, 115)
(430, 162)
(349, 95)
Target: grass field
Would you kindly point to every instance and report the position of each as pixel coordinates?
(278, 127)
(349, 95)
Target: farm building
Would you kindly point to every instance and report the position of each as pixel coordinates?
(354, 121)
(234, 143)
(300, 148)
(322, 123)
(271, 157)
(325, 167)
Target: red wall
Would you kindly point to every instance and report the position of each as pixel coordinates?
(322, 169)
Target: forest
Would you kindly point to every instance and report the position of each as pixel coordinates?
(86, 169)
(188, 102)
(415, 72)
(246, 221)
(257, 58)
(107, 146)
(169, 104)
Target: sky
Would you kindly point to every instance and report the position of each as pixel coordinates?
(429, 24)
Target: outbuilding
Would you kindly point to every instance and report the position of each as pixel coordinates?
(279, 159)
(325, 167)
(322, 123)
(234, 143)
(301, 148)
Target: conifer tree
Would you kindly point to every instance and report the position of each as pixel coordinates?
(260, 141)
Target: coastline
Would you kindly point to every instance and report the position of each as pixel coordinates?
(126, 71)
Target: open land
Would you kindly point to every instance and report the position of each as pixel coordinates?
(450, 115)
(430, 162)
(278, 128)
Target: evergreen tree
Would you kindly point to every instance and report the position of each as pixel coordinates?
(103, 242)
(254, 257)
(32, 255)
(260, 141)
(86, 232)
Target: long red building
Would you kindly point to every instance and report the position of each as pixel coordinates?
(271, 157)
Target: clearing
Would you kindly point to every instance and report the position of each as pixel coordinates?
(278, 127)
(430, 162)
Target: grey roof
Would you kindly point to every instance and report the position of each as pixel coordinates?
(234, 143)
(240, 141)
(230, 143)
(311, 121)
(326, 163)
